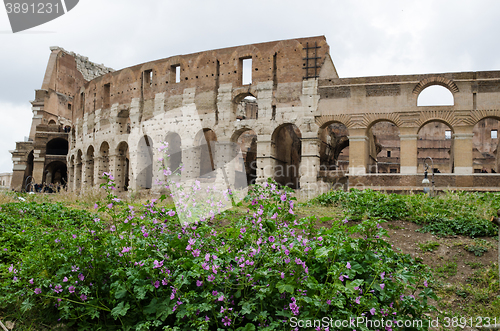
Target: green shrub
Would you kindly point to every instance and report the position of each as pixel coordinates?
(142, 270)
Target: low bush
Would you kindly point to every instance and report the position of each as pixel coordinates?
(459, 213)
(140, 269)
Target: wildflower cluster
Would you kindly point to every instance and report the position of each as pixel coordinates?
(140, 268)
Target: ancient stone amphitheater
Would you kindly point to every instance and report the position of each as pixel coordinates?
(282, 102)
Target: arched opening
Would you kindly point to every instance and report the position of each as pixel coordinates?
(435, 140)
(247, 141)
(122, 167)
(485, 146)
(334, 147)
(52, 122)
(384, 142)
(246, 107)
(288, 151)
(104, 159)
(28, 182)
(145, 163)
(78, 171)
(435, 95)
(175, 151)
(206, 145)
(55, 176)
(57, 146)
(89, 167)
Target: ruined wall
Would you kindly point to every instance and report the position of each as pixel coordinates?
(294, 112)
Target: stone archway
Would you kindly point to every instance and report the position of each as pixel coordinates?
(435, 140)
(55, 175)
(122, 175)
(247, 140)
(144, 169)
(287, 150)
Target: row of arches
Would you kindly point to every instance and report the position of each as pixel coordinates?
(435, 138)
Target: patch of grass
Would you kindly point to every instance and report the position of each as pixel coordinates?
(474, 265)
(453, 213)
(429, 246)
(447, 270)
(479, 247)
(395, 227)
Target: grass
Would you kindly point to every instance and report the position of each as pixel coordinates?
(450, 214)
(429, 246)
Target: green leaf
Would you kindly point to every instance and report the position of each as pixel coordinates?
(323, 252)
(120, 294)
(284, 287)
(248, 327)
(152, 307)
(120, 310)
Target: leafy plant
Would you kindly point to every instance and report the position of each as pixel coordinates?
(138, 268)
(429, 246)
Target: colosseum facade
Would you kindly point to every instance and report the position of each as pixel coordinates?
(282, 103)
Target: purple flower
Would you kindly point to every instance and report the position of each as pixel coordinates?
(382, 275)
(372, 311)
(145, 234)
(83, 297)
(71, 289)
(81, 277)
(226, 320)
(31, 281)
(110, 206)
(271, 239)
(221, 298)
(38, 290)
(214, 293)
(283, 197)
(58, 289)
(156, 284)
(243, 230)
(199, 283)
(348, 266)
(211, 278)
(382, 286)
(425, 283)
(293, 307)
(282, 275)
(96, 206)
(357, 300)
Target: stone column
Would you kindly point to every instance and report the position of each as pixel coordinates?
(38, 165)
(78, 176)
(97, 170)
(71, 173)
(462, 148)
(117, 166)
(85, 183)
(358, 151)
(309, 164)
(408, 150)
(265, 158)
(113, 168)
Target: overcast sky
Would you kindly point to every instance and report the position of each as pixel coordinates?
(366, 38)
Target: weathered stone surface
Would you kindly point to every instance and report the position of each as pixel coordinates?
(295, 121)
